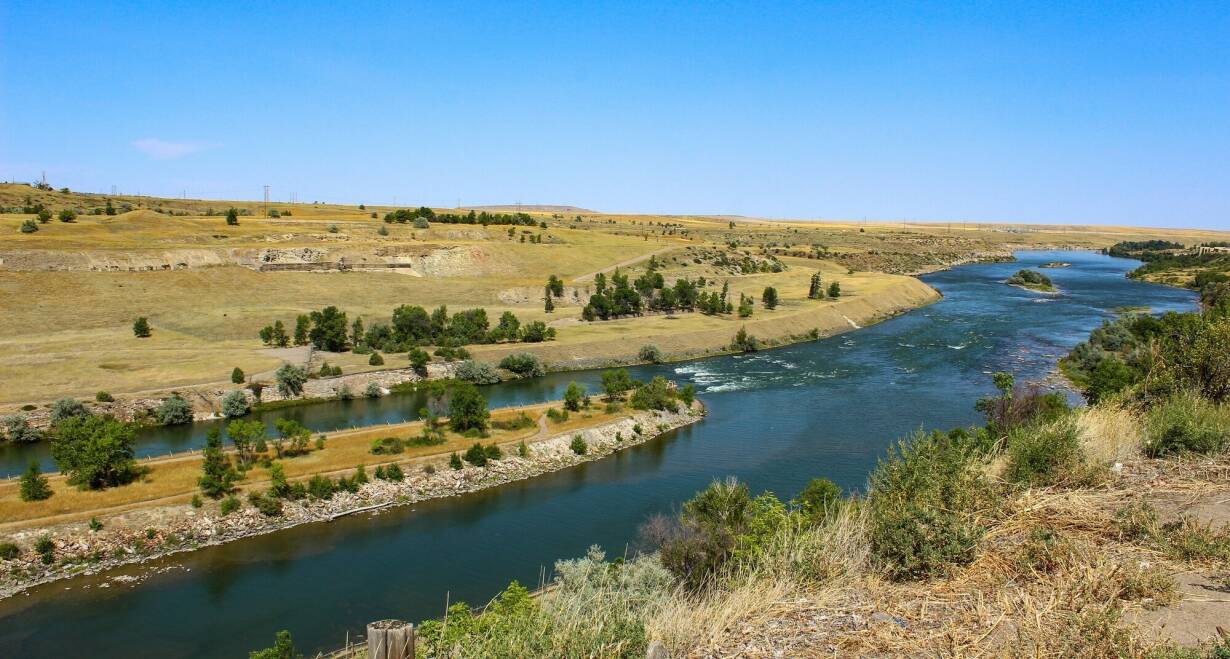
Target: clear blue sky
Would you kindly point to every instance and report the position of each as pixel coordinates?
(1103, 112)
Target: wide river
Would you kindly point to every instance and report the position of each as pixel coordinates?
(776, 419)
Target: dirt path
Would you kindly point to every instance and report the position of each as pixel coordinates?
(588, 277)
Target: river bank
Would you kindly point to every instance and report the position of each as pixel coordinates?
(807, 322)
(145, 534)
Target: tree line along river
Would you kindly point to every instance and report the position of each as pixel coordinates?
(776, 419)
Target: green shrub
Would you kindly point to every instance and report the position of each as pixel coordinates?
(523, 450)
(375, 360)
(476, 455)
(1186, 423)
(522, 420)
(454, 461)
(387, 446)
(9, 551)
(923, 501)
(557, 415)
(196, 501)
(1045, 454)
(229, 505)
(237, 375)
(44, 545)
(744, 342)
(17, 429)
(66, 408)
(657, 394)
(174, 411)
(578, 445)
(269, 506)
(235, 404)
(29, 226)
(819, 498)
(140, 328)
(524, 364)
(283, 645)
(104, 397)
(477, 372)
(34, 485)
(373, 390)
(650, 353)
(95, 525)
(573, 396)
(320, 487)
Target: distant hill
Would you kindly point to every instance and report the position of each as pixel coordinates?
(530, 208)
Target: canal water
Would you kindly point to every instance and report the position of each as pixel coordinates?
(776, 419)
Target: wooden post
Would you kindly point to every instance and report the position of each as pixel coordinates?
(390, 639)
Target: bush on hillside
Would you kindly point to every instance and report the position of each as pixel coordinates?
(923, 501)
(174, 411)
(1186, 423)
(235, 404)
(524, 364)
(1045, 454)
(477, 372)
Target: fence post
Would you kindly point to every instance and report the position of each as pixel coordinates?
(390, 639)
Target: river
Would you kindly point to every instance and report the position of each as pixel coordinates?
(777, 418)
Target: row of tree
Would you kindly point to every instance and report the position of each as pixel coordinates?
(422, 217)
(410, 326)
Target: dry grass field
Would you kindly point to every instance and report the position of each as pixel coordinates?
(70, 291)
(174, 480)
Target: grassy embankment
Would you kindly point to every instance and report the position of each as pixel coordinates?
(174, 480)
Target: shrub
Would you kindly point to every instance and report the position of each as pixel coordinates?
(454, 461)
(923, 499)
(217, 475)
(290, 380)
(283, 648)
(1109, 376)
(656, 394)
(9, 551)
(34, 485)
(140, 328)
(236, 375)
(394, 473)
(235, 404)
(835, 290)
(418, 360)
(557, 415)
(477, 372)
(744, 342)
(522, 420)
(17, 429)
(174, 411)
(196, 501)
(524, 364)
(578, 445)
(1186, 423)
(67, 215)
(229, 505)
(95, 525)
(522, 449)
(66, 408)
(319, 487)
(615, 382)
(1045, 454)
(375, 360)
(387, 446)
(769, 298)
(373, 390)
(650, 353)
(703, 538)
(45, 548)
(28, 226)
(104, 397)
(819, 498)
(476, 455)
(269, 506)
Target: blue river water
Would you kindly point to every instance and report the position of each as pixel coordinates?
(776, 419)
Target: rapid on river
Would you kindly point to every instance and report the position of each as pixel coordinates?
(776, 419)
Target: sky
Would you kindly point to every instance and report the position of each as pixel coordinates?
(1059, 112)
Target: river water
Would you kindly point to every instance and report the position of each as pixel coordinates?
(777, 419)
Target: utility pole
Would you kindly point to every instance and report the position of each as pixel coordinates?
(266, 201)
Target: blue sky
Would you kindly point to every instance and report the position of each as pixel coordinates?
(1098, 112)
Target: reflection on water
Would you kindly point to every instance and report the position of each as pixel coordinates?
(778, 418)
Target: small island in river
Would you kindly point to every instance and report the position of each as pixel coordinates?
(1031, 280)
(1056, 264)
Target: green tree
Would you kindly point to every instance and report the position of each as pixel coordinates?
(278, 336)
(418, 360)
(245, 435)
(110, 208)
(548, 302)
(290, 379)
(66, 408)
(218, 476)
(234, 404)
(67, 215)
(375, 360)
(303, 323)
(283, 648)
(232, 217)
(578, 445)
(44, 216)
(573, 396)
(769, 297)
(29, 226)
(816, 290)
(467, 409)
(356, 332)
(476, 455)
(328, 329)
(236, 375)
(140, 328)
(94, 451)
(1109, 376)
(294, 433)
(555, 286)
(173, 411)
(835, 290)
(819, 498)
(34, 485)
(615, 382)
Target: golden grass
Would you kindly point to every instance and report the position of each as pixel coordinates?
(171, 480)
